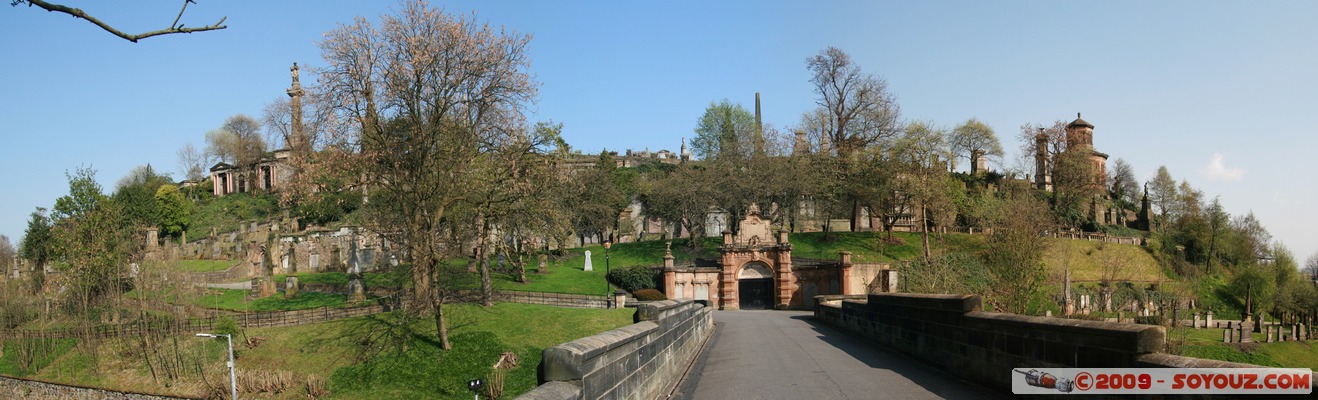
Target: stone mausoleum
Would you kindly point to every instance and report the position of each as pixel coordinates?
(756, 270)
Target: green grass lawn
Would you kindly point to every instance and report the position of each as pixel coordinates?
(1087, 260)
(236, 300)
(203, 265)
(355, 356)
(1207, 343)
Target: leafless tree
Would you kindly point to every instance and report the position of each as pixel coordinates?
(192, 163)
(975, 139)
(174, 27)
(438, 106)
(860, 110)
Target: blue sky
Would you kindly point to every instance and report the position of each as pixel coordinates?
(1219, 92)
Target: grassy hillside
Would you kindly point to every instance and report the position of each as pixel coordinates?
(1088, 261)
(353, 358)
(1207, 343)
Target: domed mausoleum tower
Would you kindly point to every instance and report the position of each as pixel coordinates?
(1080, 137)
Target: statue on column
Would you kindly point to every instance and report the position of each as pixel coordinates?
(294, 70)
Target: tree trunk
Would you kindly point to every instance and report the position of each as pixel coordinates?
(924, 222)
(441, 329)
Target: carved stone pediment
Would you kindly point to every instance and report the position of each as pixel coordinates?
(754, 230)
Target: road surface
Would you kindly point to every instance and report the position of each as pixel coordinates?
(788, 355)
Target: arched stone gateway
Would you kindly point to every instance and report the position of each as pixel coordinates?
(756, 271)
(755, 286)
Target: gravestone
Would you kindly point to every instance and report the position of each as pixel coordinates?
(588, 265)
(1210, 320)
(290, 287)
(1269, 338)
(315, 262)
(1246, 331)
(1196, 322)
(1228, 335)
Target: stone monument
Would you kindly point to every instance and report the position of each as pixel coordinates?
(588, 266)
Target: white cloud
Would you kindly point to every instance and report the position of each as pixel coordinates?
(1217, 171)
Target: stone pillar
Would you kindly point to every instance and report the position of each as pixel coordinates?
(670, 284)
(786, 280)
(290, 287)
(888, 280)
(619, 298)
(845, 272)
(728, 286)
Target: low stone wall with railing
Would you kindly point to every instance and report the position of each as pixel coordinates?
(15, 388)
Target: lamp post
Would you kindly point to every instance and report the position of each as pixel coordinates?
(233, 378)
(608, 302)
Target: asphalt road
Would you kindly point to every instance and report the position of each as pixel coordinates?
(787, 355)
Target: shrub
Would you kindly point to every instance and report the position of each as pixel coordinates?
(632, 279)
(649, 295)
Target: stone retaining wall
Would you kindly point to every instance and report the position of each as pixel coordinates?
(640, 361)
(953, 333)
(13, 388)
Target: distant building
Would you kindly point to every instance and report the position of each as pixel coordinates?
(266, 175)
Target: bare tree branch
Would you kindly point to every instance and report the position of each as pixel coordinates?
(78, 13)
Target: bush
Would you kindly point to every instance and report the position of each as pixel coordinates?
(633, 279)
(649, 295)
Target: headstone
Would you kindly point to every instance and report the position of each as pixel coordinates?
(1269, 331)
(1210, 319)
(1246, 332)
(543, 267)
(1304, 333)
(356, 289)
(290, 287)
(1196, 322)
(1227, 335)
(315, 262)
(1048, 313)
(588, 266)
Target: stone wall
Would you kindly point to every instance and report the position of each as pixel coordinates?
(953, 333)
(13, 388)
(640, 361)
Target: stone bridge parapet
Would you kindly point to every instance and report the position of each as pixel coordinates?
(953, 333)
(640, 361)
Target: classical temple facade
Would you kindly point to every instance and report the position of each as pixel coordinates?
(276, 167)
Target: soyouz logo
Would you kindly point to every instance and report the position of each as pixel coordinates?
(1162, 381)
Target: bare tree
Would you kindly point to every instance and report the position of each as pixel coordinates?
(1311, 267)
(174, 27)
(975, 139)
(7, 255)
(1122, 185)
(438, 105)
(192, 163)
(860, 111)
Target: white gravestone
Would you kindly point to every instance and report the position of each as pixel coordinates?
(588, 266)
